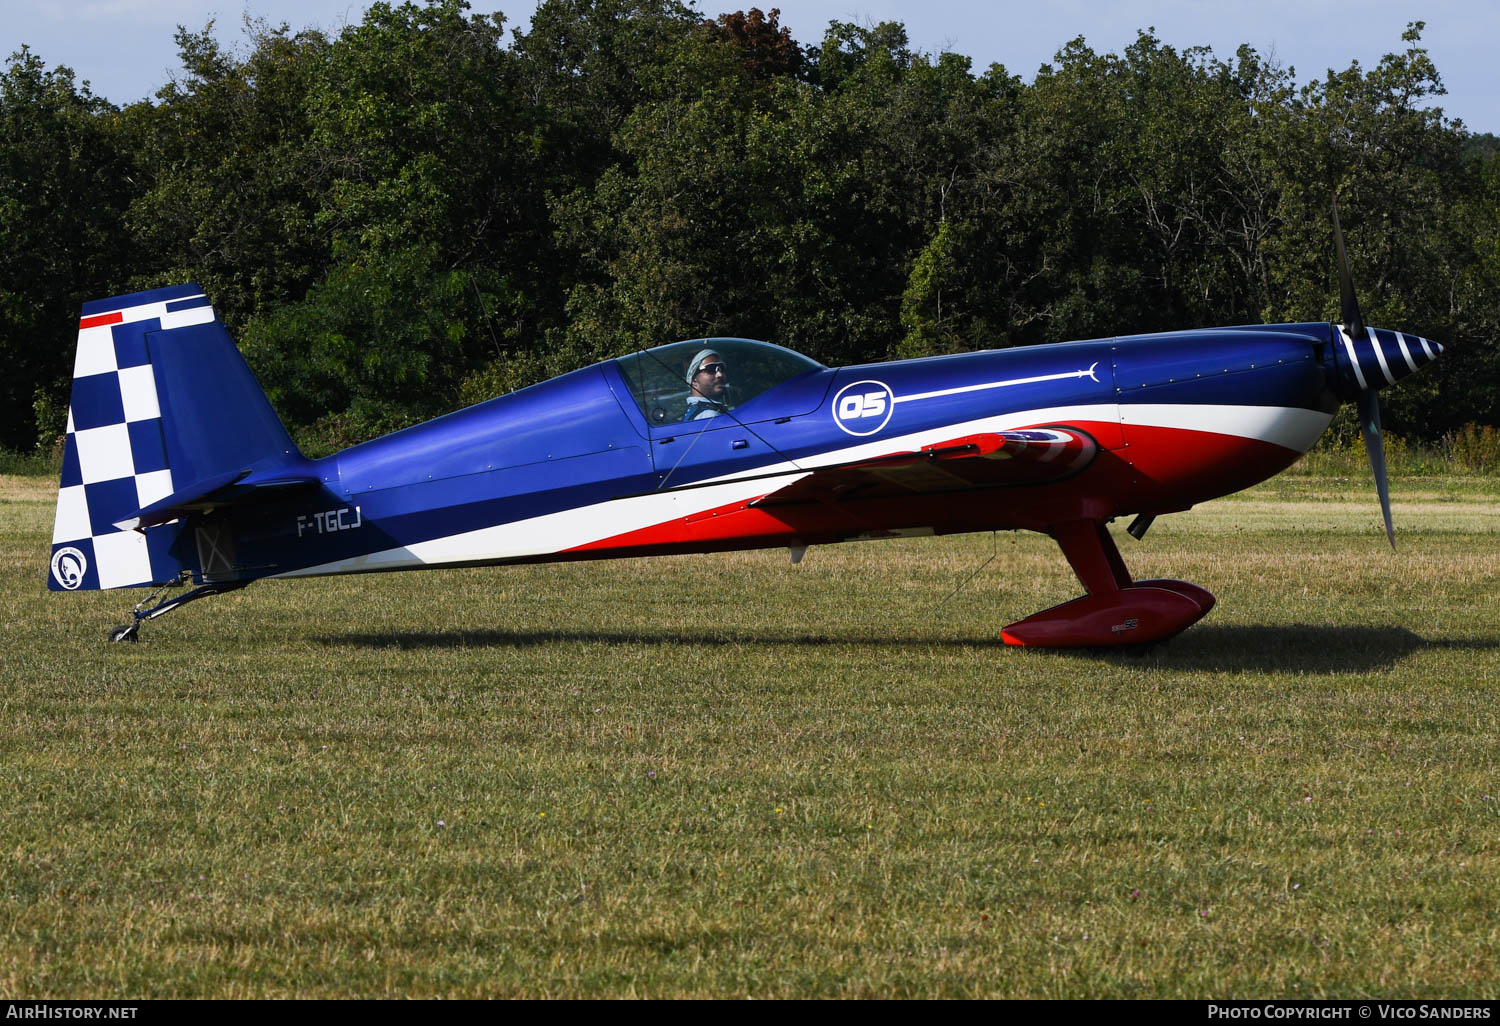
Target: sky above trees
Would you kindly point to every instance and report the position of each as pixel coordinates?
(125, 47)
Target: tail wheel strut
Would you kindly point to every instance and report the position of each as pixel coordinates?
(132, 631)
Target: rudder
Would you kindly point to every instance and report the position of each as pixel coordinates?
(162, 401)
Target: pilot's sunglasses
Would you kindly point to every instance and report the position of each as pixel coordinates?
(711, 368)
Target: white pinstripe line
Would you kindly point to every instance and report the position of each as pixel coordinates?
(1087, 373)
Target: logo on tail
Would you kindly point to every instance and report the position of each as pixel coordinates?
(68, 566)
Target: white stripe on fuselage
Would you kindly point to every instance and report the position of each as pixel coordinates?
(553, 533)
(1286, 426)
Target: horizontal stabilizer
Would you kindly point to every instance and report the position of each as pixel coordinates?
(228, 489)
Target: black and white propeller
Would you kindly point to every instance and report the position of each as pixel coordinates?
(1371, 359)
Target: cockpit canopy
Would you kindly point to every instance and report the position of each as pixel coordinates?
(658, 378)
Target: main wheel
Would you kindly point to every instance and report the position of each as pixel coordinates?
(125, 632)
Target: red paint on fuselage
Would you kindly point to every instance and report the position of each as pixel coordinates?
(1159, 470)
(1177, 468)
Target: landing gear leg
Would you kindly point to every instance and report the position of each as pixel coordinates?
(132, 631)
(1116, 611)
(1093, 555)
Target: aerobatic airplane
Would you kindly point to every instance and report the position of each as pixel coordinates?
(177, 469)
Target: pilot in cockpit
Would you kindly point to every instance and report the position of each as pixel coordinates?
(708, 381)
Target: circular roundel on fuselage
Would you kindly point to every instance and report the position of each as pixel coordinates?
(864, 407)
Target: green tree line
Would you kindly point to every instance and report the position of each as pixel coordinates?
(426, 209)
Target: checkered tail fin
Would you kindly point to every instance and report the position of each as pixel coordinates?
(163, 409)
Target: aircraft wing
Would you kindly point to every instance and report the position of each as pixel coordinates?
(989, 459)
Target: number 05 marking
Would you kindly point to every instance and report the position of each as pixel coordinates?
(864, 407)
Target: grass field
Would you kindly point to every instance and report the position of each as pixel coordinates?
(728, 775)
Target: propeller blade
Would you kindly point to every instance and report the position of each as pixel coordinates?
(1354, 324)
(1369, 426)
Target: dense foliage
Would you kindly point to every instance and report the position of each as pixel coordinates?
(424, 209)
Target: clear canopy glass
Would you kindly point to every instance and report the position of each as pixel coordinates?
(660, 381)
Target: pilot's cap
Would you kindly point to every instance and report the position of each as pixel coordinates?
(692, 368)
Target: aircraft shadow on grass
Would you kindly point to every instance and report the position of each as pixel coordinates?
(1297, 648)
(1289, 648)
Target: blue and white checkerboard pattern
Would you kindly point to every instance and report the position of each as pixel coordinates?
(115, 456)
